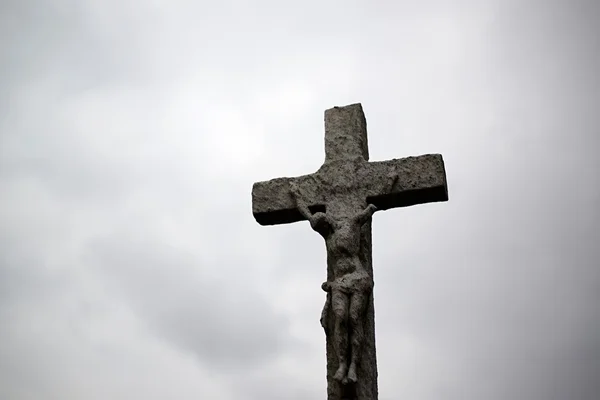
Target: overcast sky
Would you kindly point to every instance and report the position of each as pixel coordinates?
(130, 135)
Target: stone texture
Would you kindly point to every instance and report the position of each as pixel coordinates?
(338, 200)
(421, 180)
(346, 134)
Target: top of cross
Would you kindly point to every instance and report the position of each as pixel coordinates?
(346, 134)
(347, 174)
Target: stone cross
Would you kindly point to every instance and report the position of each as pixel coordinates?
(338, 200)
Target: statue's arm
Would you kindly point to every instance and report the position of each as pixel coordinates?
(318, 221)
(362, 217)
(302, 207)
(325, 313)
(392, 178)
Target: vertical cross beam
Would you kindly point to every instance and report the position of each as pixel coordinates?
(342, 187)
(346, 148)
(346, 134)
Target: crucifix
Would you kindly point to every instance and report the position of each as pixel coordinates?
(339, 200)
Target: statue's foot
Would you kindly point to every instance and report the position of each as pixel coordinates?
(340, 374)
(352, 373)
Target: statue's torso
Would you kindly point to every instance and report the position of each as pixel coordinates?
(344, 240)
(343, 247)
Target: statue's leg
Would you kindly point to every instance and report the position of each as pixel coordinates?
(358, 304)
(325, 313)
(339, 306)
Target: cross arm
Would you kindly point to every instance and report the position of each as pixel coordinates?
(272, 202)
(421, 179)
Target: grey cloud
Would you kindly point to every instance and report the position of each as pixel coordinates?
(126, 200)
(223, 320)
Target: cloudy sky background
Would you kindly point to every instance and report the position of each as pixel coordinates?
(131, 133)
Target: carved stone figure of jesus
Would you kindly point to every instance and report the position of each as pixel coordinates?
(349, 292)
(342, 190)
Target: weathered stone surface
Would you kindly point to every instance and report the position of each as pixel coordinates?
(421, 180)
(350, 285)
(346, 134)
(338, 201)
